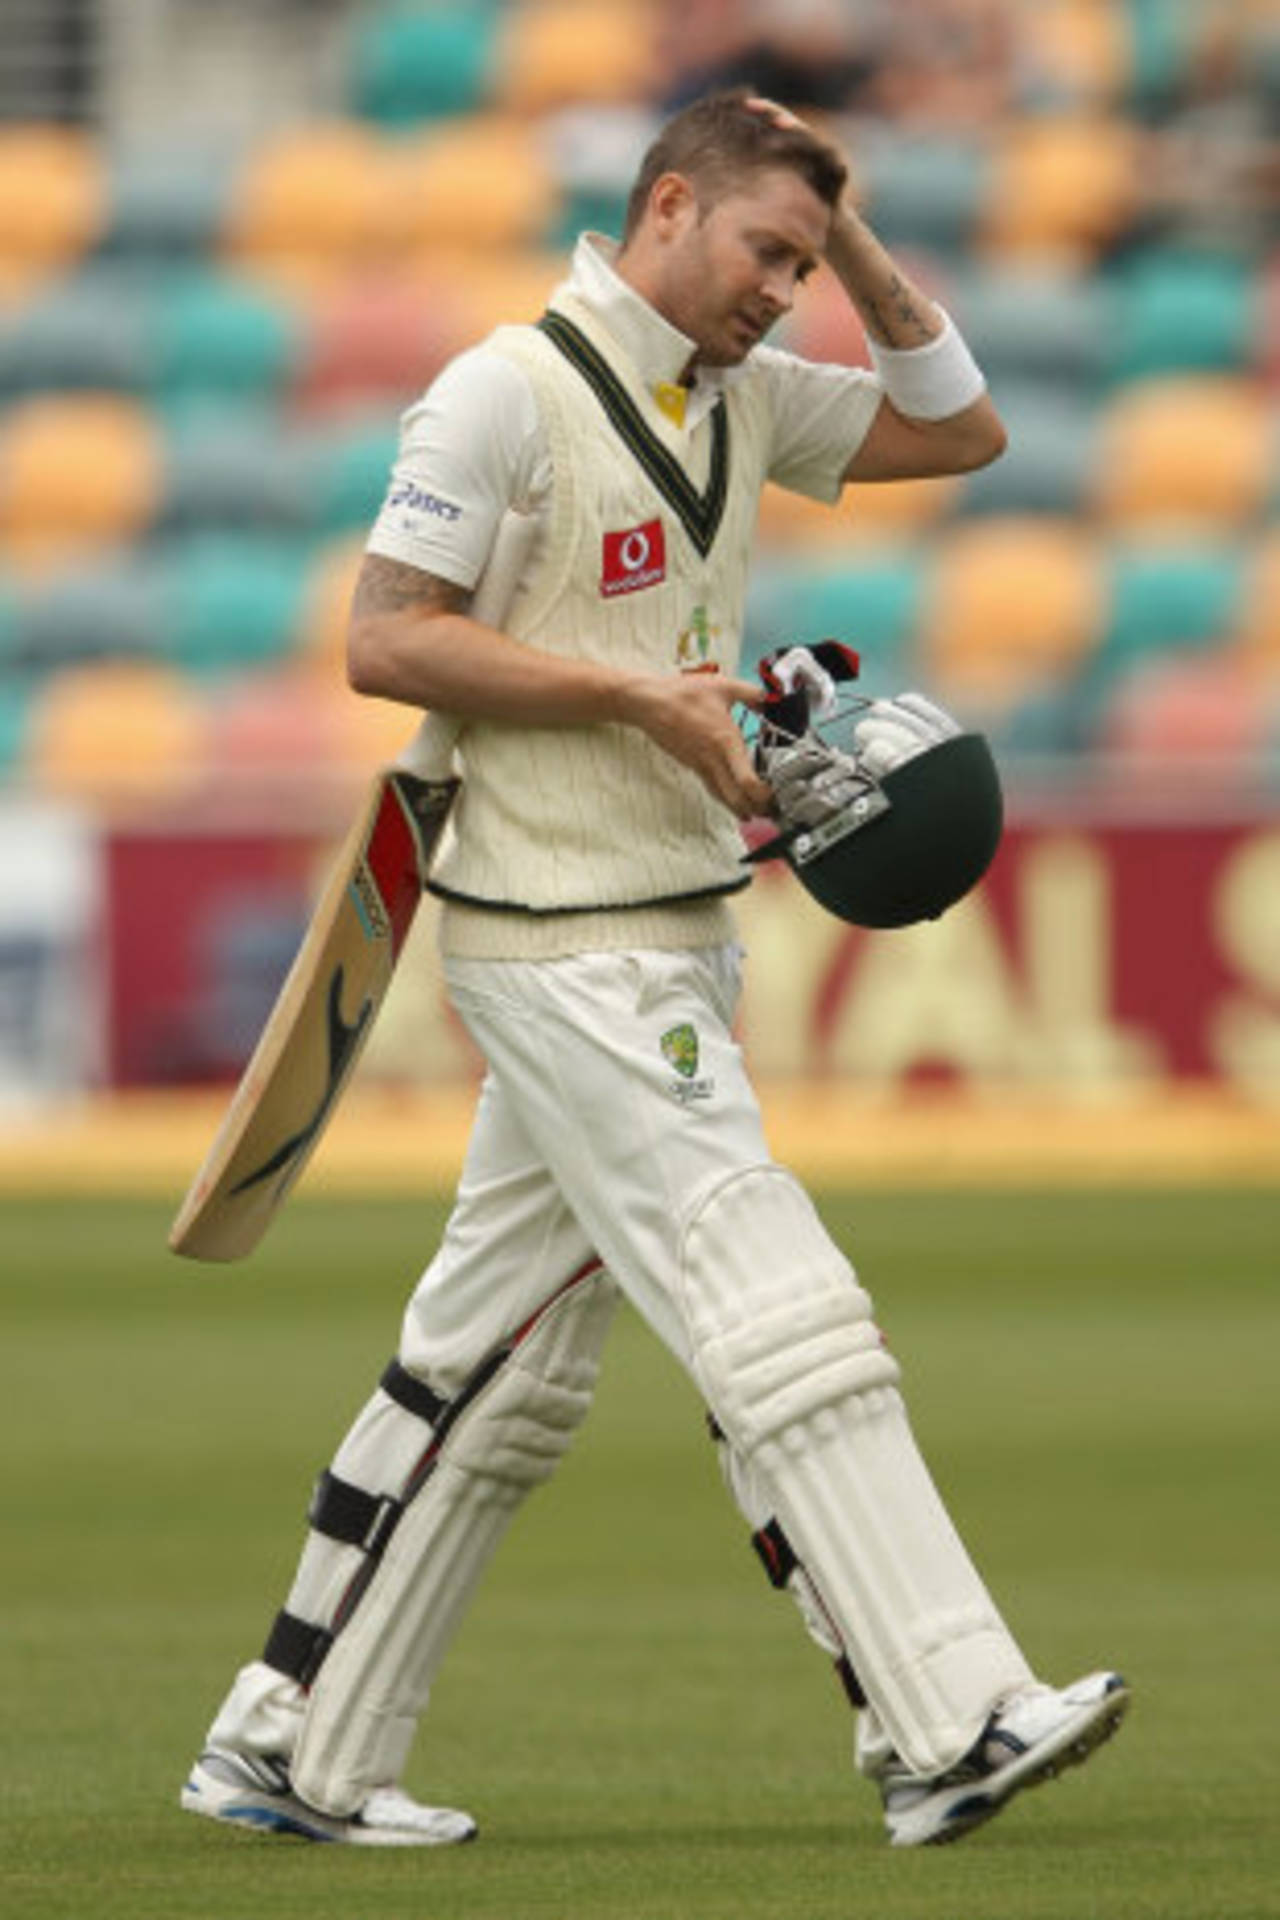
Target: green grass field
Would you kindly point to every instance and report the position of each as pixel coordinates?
(636, 1720)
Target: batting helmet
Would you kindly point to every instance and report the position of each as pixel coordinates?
(916, 819)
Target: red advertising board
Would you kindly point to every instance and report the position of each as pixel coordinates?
(200, 929)
(1092, 955)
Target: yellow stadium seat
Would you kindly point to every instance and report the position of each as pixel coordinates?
(1188, 447)
(1077, 50)
(1062, 186)
(327, 610)
(1258, 639)
(554, 53)
(1012, 604)
(488, 290)
(52, 200)
(789, 521)
(1194, 450)
(318, 198)
(371, 732)
(476, 184)
(76, 470)
(117, 733)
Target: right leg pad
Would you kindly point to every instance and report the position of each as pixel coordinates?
(799, 1381)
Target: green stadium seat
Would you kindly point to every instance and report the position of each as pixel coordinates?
(227, 468)
(583, 209)
(1047, 723)
(90, 329)
(1168, 597)
(413, 63)
(923, 190)
(109, 610)
(872, 605)
(217, 335)
(163, 204)
(1049, 462)
(9, 626)
(342, 475)
(1162, 40)
(16, 696)
(1183, 312)
(231, 603)
(1264, 54)
(1027, 324)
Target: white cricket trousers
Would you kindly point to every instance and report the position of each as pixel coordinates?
(616, 1093)
(615, 1119)
(616, 1116)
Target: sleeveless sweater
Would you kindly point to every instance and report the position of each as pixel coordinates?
(571, 838)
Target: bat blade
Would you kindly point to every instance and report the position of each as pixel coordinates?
(330, 999)
(321, 1019)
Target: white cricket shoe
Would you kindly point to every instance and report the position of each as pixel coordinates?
(255, 1793)
(1031, 1738)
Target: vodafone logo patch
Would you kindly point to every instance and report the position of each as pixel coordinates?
(632, 559)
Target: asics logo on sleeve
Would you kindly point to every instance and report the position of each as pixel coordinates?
(418, 500)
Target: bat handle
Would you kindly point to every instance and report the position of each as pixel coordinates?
(430, 752)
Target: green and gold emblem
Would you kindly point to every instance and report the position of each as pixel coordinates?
(693, 648)
(680, 1049)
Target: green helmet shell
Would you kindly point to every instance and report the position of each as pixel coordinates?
(913, 845)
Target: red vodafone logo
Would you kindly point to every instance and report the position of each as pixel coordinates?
(632, 559)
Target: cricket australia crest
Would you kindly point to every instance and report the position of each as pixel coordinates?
(680, 1050)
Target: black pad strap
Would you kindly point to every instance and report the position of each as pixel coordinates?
(780, 1561)
(414, 1395)
(345, 1512)
(296, 1648)
(850, 1682)
(776, 1553)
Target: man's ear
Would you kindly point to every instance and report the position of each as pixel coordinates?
(673, 206)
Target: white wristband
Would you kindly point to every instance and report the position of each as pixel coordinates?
(933, 381)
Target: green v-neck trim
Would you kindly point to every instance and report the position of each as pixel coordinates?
(700, 513)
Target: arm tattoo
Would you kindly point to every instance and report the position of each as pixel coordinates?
(903, 315)
(388, 586)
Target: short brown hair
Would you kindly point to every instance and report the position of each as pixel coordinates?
(716, 141)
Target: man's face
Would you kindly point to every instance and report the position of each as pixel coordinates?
(731, 270)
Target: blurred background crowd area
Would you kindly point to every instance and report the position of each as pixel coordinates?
(235, 242)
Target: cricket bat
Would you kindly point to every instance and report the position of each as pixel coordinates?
(326, 1008)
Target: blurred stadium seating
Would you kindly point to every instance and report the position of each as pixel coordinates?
(206, 340)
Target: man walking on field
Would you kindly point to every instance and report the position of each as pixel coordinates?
(591, 950)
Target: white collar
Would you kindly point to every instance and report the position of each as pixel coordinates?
(659, 351)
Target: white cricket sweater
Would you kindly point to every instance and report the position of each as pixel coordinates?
(643, 564)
